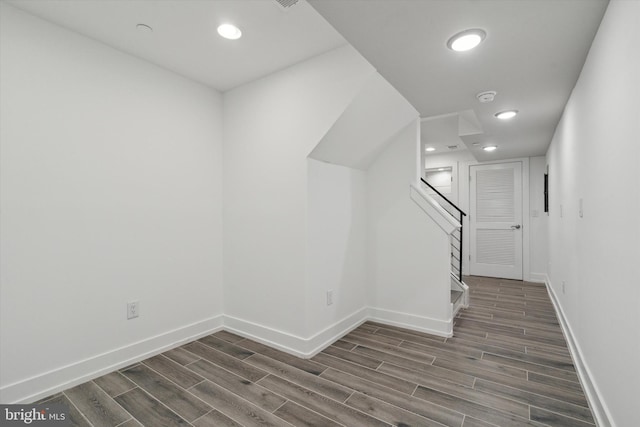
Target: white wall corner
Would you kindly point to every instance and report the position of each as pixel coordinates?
(293, 344)
(537, 277)
(597, 404)
(284, 341)
(47, 383)
(375, 114)
(438, 327)
(319, 341)
(309, 347)
(431, 207)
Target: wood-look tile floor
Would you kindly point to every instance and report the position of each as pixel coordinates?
(507, 365)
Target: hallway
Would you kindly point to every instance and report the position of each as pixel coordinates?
(515, 327)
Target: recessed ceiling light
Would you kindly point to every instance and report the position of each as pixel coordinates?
(430, 149)
(490, 147)
(144, 28)
(229, 31)
(505, 115)
(466, 40)
(440, 169)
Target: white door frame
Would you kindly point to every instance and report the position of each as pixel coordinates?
(465, 204)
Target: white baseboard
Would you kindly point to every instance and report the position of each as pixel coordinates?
(537, 277)
(427, 325)
(332, 333)
(284, 341)
(293, 344)
(42, 385)
(309, 347)
(45, 384)
(598, 406)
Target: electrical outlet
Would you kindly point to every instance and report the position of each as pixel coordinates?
(563, 286)
(133, 309)
(330, 297)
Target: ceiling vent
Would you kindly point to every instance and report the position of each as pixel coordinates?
(285, 5)
(452, 147)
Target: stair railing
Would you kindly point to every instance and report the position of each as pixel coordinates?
(456, 237)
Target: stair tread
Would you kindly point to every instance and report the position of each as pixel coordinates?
(455, 296)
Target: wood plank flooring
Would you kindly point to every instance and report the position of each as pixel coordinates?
(507, 365)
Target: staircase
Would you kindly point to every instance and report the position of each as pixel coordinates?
(456, 296)
(459, 290)
(459, 295)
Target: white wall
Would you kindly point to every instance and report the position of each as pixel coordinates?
(455, 160)
(112, 182)
(336, 246)
(447, 159)
(408, 255)
(594, 156)
(271, 125)
(538, 220)
(364, 128)
(110, 192)
(295, 227)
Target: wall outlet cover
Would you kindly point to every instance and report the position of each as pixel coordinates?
(133, 309)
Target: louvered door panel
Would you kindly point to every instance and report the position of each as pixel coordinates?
(495, 196)
(496, 247)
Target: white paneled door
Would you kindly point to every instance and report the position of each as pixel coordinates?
(495, 235)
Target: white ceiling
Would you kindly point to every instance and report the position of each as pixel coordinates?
(184, 37)
(441, 133)
(532, 56)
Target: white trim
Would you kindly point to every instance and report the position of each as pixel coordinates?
(293, 344)
(464, 288)
(420, 154)
(332, 333)
(454, 195)
(438, 117)
(431, 207)
(442, 328)
(464, 203)
(47, 383)
(597, 404)
(537, 278)
(60, 379)
(284, 341)
(309, 347)
(526, 221)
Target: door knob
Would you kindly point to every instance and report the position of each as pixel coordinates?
(515, 227)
